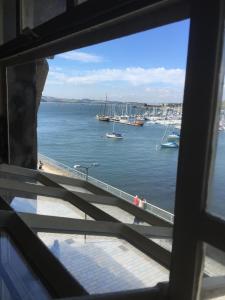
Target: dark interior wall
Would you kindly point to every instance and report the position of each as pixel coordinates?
(21, 88)
(8, 28)
(24, 89)
(4, 153)
(22, 120)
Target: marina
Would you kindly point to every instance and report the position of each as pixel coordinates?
(162, 114)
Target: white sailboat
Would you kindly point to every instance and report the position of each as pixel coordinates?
(113, 134)
(170, 140)
(124, 118)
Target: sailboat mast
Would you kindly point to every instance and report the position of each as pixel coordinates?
(105, 104)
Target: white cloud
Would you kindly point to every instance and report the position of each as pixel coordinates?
(81, 56)
(55, 69)
(164, 93)
(135, 76)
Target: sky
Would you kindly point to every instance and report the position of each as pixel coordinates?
(144, 67)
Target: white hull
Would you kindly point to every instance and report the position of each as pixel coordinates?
(114, 136)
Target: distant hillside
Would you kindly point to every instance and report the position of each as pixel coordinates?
(64, 100)
(139, 104)
(85, 100)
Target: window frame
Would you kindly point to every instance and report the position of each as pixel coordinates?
(193, 225)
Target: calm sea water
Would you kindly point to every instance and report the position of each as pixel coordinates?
(70, 133)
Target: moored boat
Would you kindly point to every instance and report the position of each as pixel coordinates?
(170, 140)
(114, 135)
(124, 119)
(138, 123)
(173, 137)
(102, 118)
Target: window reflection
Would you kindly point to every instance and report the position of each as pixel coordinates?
(17, 282)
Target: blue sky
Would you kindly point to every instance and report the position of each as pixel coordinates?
(145, 67)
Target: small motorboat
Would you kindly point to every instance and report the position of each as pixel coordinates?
(114, 135)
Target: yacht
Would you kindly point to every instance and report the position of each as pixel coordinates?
(102, 118)
(124, 119)
(114, 135)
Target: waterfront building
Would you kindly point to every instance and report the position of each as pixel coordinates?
(87, 230)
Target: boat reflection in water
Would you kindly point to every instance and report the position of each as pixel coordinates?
(169, 145)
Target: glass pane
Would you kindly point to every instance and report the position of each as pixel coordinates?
(17, 281)
(22, 178)
(104, 264)
(42, 205)
(7, 21)
(213, 285)
(35, 13)
(143, 76)
(216, 195)
(78, 2)
(214, 261)
(216, 200)
(120, 214)
(76, 189)
(165, 243)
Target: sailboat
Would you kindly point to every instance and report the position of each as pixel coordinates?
(124, 118)
(171, 141)
(103, 117)
(113, 134)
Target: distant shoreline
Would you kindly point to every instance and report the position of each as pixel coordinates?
(50, 99)
(46, 99)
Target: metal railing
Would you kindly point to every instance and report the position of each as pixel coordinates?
(159, 212)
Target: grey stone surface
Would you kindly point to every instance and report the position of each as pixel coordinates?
(105, 264)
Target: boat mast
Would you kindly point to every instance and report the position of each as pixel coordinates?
(105, 104)
(163, 138)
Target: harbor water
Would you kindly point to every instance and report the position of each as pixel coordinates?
(70, 134)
